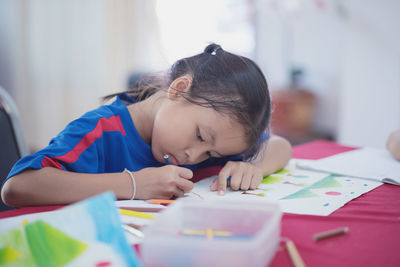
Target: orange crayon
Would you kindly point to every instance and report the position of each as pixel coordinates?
(160, 201)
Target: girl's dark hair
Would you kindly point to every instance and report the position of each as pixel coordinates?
(230, 84)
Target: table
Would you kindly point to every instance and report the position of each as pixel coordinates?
(373, 220)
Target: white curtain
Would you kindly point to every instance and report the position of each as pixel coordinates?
(59, 57)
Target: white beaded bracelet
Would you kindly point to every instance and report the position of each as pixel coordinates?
(133, 182)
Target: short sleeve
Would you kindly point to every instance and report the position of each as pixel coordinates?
(78, 147)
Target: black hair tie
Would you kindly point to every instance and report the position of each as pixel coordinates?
(212, 49)
(214, 52)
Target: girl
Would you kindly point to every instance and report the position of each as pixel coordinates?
(209, 109)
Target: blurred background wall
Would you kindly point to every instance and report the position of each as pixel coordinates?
(59, 57)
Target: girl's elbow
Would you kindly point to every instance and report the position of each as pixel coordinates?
(287, 147)
(284, 148)
(11, 192)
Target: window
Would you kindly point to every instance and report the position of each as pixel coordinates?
(186, 27)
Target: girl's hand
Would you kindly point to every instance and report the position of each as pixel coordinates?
(162, 182)
(244, 176)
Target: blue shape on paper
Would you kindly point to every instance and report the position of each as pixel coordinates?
(108, 226)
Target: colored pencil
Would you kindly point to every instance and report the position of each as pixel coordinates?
(211, 234)
(330, 233)
(207, 232)
(136, 214)
(133, 231)
(294, 254)
(143, 209)
(160, 201)
(136, 226)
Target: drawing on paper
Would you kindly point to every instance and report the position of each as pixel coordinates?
(298, 190)
(87, 233)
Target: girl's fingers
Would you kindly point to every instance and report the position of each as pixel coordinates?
(255, 181)
(184, 185)
(213, 186)
(222, 180)
(178, 192)
(246, 181)
(242, 177)
(236, 180)
(184, 172)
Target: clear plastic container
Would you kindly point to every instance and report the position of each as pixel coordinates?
(213, 233)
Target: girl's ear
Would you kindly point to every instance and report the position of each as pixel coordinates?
(179, 85)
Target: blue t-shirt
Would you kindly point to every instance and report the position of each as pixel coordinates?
(103, 140)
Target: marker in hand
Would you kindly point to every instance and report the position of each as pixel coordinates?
(167, 160)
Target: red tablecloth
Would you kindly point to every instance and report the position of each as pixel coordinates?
(373, 220)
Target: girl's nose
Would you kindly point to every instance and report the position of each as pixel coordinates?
(195, 154)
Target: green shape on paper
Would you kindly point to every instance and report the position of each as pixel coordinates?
(50, 246)
(271, 179)
(300, 176)
(327, 182)
(9, 255)
(304, 193)
(282, 171)
(14, 248)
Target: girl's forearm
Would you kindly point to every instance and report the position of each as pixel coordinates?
(50, 186)
(274, 155)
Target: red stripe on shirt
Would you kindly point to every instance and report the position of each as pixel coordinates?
(110, 124)
(49, 162)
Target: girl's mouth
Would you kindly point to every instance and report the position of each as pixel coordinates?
(173, 160)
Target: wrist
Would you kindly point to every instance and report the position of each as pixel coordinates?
(133, 182)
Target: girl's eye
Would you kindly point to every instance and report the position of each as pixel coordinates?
(208, 154)
(199, 136)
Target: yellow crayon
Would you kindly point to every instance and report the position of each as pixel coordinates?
(136, 214)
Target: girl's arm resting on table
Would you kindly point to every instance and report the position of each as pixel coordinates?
(51, 186)
(274, 155)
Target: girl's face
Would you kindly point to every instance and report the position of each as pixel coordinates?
(190, 133)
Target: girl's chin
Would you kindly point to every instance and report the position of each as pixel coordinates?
(158, 156)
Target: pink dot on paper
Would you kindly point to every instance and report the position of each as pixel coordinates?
(103, 264)
(332, 193)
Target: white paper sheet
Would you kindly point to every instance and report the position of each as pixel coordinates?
(369, 163)
(297, 190)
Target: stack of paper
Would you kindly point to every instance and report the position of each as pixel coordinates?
(368, 163)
